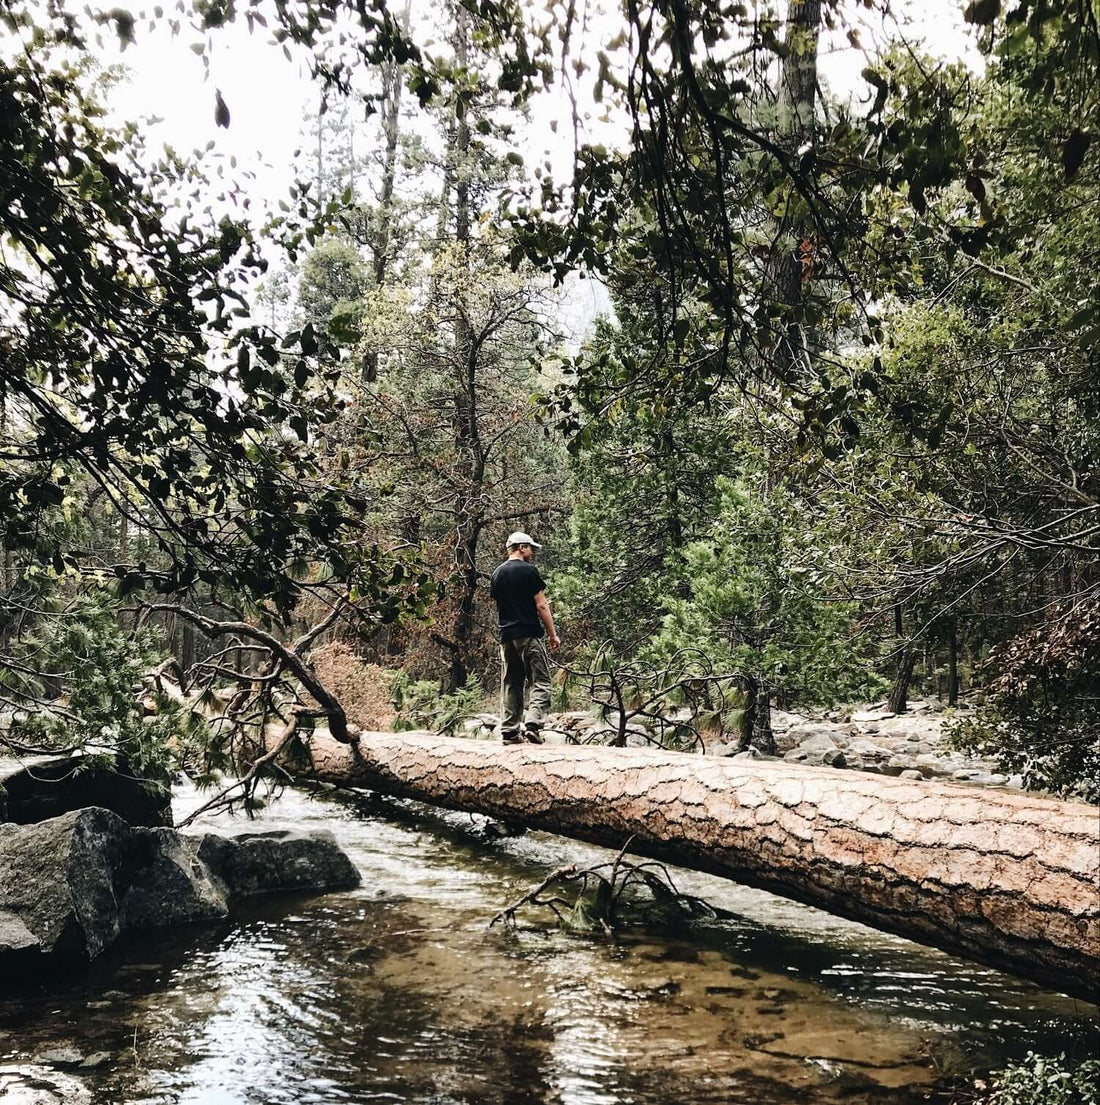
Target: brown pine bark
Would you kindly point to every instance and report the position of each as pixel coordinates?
(1000, 877)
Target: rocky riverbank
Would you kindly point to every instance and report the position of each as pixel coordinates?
(912, 745)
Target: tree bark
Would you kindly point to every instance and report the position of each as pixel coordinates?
(1000, 877)
(462, 134)
(393, 82)
(763, 739)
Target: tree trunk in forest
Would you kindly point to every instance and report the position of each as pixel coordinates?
(784, 274)
(953, 665)
(468, 445)
(467, 596)
(462, 133)
(788, 268)
(755, 730)
(321, 151)
(666, 450)
(393, 82)
(1000, 877)
(123, 537)
(748, 717)
(763, 739)
(898, 701)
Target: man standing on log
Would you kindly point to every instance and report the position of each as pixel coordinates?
(523, 613)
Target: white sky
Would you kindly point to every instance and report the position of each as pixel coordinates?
(268, 96)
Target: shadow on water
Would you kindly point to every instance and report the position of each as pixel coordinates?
(398, 992)
(998, 1011)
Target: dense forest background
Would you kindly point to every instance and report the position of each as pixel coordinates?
(837, 437)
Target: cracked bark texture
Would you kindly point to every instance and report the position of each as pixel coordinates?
(1000, 877)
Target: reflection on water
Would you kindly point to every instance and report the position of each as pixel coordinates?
(398, 992)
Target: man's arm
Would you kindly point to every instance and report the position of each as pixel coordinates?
(542, 605)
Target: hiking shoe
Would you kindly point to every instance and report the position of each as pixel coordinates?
(532, 735)
(511, 738)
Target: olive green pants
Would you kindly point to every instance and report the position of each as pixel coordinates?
(524, 679)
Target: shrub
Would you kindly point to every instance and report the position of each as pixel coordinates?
(1040, 1081)
(1041, 717)
(104, 709)
(364, 689)
(420, 705)
(755, 600)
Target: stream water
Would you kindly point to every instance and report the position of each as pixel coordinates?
(399, 992)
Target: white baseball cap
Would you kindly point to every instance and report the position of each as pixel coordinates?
(521, 538)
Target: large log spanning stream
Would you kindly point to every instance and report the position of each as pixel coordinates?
(997, 876)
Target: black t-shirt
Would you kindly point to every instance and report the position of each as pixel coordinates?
(514, 586)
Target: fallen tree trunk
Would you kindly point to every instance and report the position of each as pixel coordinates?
(1003, 878)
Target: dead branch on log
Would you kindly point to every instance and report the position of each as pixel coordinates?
(668, 705)
(248, 782)
(292, 656)
(276, 686)
(169, 667)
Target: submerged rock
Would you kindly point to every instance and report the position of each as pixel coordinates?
(263, 863)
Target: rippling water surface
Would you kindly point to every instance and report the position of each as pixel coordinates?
(399, 992)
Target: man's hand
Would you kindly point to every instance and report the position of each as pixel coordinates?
(543, 609)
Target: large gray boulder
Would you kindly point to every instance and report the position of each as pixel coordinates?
(263, 863)
(71, 884)
(43, 787)
(61, 879)
(170, 885)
